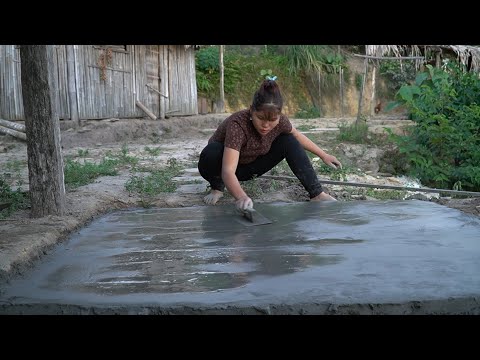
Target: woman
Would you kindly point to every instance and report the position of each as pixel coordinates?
(250, 142)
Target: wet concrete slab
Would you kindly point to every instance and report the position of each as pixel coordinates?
(386, 257)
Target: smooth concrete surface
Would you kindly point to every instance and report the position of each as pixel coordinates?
(385, 257)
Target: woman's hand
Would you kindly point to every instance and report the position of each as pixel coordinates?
(332, 161)
(244, 203)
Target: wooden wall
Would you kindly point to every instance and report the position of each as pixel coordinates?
(108, 82)
(11, 104)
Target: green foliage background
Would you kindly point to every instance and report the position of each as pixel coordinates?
(443, 148)
(244, 71)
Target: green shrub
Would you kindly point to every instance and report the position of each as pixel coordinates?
(444, 147)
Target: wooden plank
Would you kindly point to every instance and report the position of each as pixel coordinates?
(71, 91)
(94, 76)
(131, 82)
(171, 78)
(85, 76)
(81, 84)
(128, 84)
(118, 89)
(163, 73)
(141, 76)
(78, 80)
(2, 84)
(8, 86)
(60, 75)
(17, 85)
(64, 98)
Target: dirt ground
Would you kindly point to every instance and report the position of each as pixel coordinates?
(24, 240)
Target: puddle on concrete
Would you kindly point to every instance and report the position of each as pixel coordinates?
(342, 251)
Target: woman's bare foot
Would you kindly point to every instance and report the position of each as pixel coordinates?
(323, 196)
(213, 197)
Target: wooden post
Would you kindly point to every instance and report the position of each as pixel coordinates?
(342, 111)
(360, 97)
(319, 91)
(72, 87)
(438, 59)
(148, 112)
(374, 95)
(163, 81)
(45, 162)
(221, 104)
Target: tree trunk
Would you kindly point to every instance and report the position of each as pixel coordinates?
(221, 103)
(45, 162)
(360, 97)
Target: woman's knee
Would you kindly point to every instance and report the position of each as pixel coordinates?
(210, 160)
(288, 141)
(213, 152)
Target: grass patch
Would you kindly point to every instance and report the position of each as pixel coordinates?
(83, 153)
(359, 134)
(15, 166)
(305, 127)
(334, 174)
(152, 151)
(122, 157)
(159, 181)
(252, 187)
(11, 200)
(311, 112)
(77, 174)
(386, 194)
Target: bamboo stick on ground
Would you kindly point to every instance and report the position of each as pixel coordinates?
(12, 125)
(13, 133)
(378, 186)
(144, 108)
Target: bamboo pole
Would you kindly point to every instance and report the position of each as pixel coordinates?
(342, 110)
(148, 112)
(162, 62)
(152, 88)
(13, 133)
(319, 91)
(72, 87)
(374, 95)
(221, 104)
(12, 125)
(407, 188)
(390, 57)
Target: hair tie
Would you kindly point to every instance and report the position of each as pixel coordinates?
(272, 78)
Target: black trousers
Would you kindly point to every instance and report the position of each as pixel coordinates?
(285, 146)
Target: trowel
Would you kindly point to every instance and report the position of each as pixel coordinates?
(254, 218)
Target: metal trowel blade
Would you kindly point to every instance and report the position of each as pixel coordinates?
(255, 217)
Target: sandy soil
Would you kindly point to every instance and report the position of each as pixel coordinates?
(24, 240)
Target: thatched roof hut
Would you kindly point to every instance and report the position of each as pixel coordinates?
(467, 55)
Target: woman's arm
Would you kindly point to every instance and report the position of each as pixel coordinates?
(309, 145)
(229, 166)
